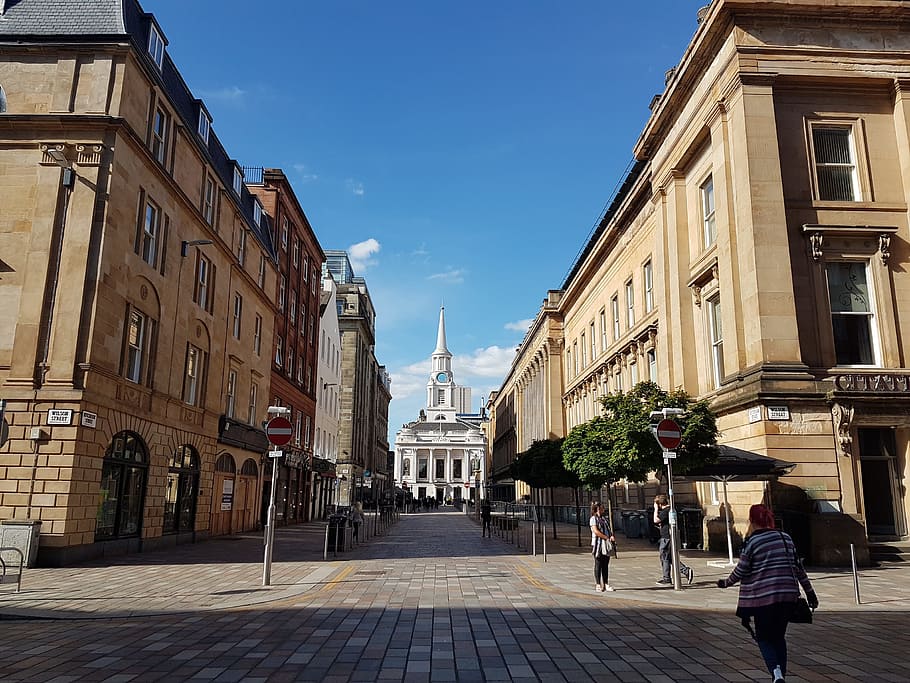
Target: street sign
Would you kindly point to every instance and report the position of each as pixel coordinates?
(276, 454)
(669, 434)
(279, 431)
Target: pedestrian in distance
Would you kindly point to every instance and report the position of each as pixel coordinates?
(357, 519)
(665, 545)
(486, 516)
(769, 575)
(602, 541)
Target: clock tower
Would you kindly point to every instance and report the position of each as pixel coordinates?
(441, 385)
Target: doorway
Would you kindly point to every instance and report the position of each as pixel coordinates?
(881, 494)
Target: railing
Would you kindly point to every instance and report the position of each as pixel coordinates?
(252, 175)
(339, 532)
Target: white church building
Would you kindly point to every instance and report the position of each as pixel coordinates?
(442, 454)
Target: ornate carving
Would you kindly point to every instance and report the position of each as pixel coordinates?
(816, 239)
(884, 247)
(843, 419)
(48, 147)
(89, 155)
(143, 292)
(696, 293)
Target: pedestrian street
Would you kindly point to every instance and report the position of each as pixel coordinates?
(428, 600)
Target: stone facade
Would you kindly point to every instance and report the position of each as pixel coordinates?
(122, 375)
(756, 257)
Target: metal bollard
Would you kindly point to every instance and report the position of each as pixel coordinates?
(325, 550)
(855, 574)
(544, 545)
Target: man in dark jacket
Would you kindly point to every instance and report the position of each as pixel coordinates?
(486, 514)
(662, 520)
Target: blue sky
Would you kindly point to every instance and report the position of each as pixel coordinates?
(461, 151)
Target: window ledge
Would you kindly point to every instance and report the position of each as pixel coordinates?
(817, 233)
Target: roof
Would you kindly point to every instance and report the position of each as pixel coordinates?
(62, 17)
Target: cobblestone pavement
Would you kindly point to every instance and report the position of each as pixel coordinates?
(430, 600)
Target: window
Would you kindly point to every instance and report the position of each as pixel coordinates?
(422, 468)
(440, 468)
(261, 277)
(257, 212)
(302, 320)
(569, 362)
(204, 281)
(835, 166)
(156, 46)
(284, 234)
(617, 380)
(313, 281)
(584, 352)
(295, 255)
(603, 330)
(614, 308)
(456, 470)
(306, 431)
(593, 344)
(312, 329)
(137, 342)
(633, 373)
(282, 292)
(238, 314)
(292, 309)
(160, 127)
(652, 366)
(852, 320)
(205, 125)
(300, 369)
(238, 180)
(290, 363)
(297, 429)
(306, 267)
(122, 489)
(251, 414)
(575, 356)
(279, 353)
(630, 305)
(208, 200)
(707, 211)
(241, 246)
(257, 335)
(647, 274)
(715, 330)
(151, 226)
(440, 397)
(180, 493)
(191, 375)
(230, 398)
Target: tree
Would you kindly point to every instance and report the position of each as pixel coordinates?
(619, 444)
(541, 466)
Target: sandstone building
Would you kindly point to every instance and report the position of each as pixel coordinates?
(756, 255)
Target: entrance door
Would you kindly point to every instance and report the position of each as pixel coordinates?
(878, 469)
(223, 500)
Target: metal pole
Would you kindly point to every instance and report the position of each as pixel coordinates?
(270, 529)
(325, 549)
(544, 543)
(674, 537)
(855, 574)
(727, 515)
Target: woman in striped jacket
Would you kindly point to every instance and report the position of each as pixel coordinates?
(769, 575)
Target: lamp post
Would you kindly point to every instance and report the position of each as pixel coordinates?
(270, 529)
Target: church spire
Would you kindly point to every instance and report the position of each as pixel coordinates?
(441, 335)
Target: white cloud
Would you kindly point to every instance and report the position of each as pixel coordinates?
(360, 254)
(304, 173)
(492, 361)
(453, 276)
(229, 94)
(411, 379)
(520, 325)
(355, 186)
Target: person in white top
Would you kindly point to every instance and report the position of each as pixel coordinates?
(602, 540)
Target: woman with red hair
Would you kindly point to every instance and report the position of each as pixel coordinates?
(769, 574)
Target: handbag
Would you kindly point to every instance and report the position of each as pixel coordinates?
(800, 613)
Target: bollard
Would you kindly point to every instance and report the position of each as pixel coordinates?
(533, 539)
(855, 574)
(325, 550)
(545, 545)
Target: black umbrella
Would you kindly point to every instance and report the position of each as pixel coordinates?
(737, 464)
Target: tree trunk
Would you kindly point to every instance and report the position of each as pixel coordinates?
(553, 512)
(578, 516)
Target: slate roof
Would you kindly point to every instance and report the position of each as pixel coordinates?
(62, 17)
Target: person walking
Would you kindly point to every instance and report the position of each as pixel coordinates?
(665, 545)
(602, 541)
(770, 575)
(486, 515)
(357, 520)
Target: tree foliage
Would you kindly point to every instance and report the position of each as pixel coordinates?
(620, 443)
(541, 466)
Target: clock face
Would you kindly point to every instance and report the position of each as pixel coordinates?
(442, 377)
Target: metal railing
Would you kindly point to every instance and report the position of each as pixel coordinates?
(340, 531)
(6, 577)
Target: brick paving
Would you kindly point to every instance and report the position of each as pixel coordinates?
(427, 601)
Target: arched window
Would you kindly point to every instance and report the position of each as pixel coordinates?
(226, 464)
(122, 494)
(182, 489)
(249, 467)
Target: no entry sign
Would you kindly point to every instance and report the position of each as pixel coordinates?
(668, 434)
(279, 430)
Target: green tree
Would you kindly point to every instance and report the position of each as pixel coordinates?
(620, 443)
(541, 467)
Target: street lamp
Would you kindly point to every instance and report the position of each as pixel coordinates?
(270, 528)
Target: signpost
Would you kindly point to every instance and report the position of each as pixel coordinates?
(278, 430)
(669, 436)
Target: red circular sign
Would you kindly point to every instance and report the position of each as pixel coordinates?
(669, 434)
(467, 485)
(279, 431)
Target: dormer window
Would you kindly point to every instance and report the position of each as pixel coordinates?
(238, 180)
(156, 45)
(205, 125)
(257, 212)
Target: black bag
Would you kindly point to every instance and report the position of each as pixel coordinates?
(801, 614)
